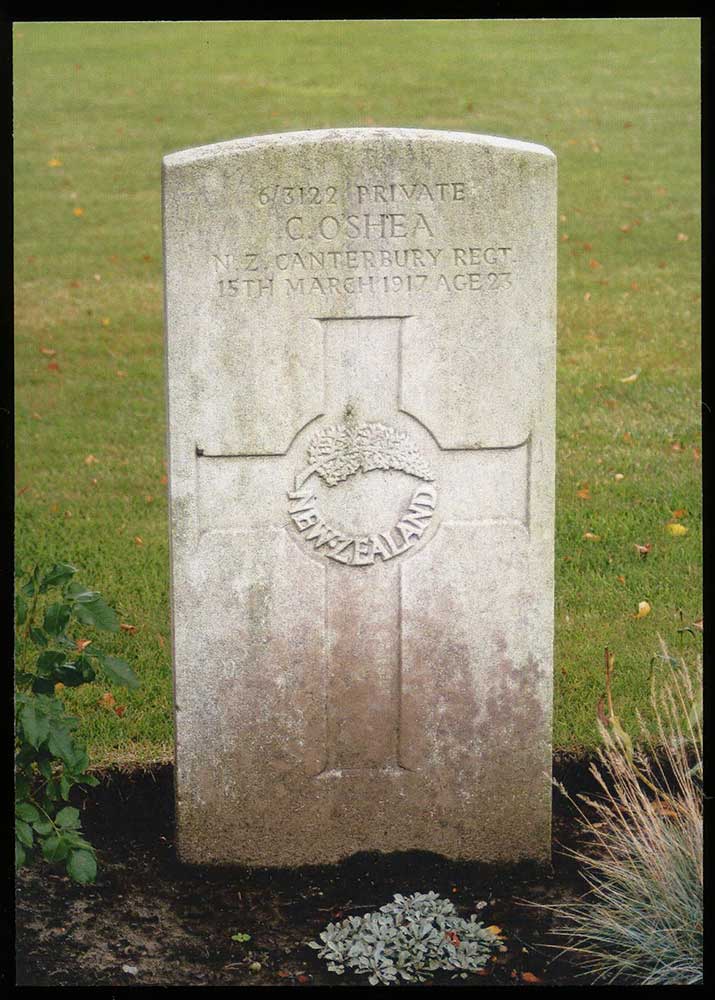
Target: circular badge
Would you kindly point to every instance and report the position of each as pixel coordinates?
(340, 451)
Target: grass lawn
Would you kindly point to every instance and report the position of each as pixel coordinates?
(96, 107)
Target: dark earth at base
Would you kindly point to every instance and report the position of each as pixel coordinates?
(173, 924)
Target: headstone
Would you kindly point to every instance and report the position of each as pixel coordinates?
(361, 345)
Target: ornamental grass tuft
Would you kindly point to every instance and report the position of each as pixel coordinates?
(641, 920)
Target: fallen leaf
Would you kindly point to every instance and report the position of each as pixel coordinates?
(584, 493)
(621, 579)
(662, 264)
(564, 237)
(590, 537)
(120, 710)
(161, 641)
(635, 286)
(82, 644)
(164, 479)
(628, 437)
(23, 489)
(121, 374)
(59, 686)
(587, 297)
(643, 550)
(677, 446)
(676, 529)
(108, 700)
(495, 930)
(54, 162)
(696, 454)
(681, 512)
(49, 351)
(625, 228)
(303, 979)
(78, 211)
(661, 191)
(619, 476)
(631, 378)
(529, 977)
(453, 937)
(594, 264)
(644, 609)
(53, 366)
(131, 629)
(149, 498)
(36, 416)
(682, 237)
(106, 321)
(138, 540)
(699, 624)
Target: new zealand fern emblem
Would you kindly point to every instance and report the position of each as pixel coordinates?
(335, 454)
(338, 452)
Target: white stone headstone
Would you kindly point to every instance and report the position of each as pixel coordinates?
(360, 352)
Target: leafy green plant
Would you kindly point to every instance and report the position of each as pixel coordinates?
(51, 610)
(407, 939)
(642, 919)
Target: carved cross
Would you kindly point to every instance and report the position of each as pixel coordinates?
(367, 487)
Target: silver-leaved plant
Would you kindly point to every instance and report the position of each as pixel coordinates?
(410, 939)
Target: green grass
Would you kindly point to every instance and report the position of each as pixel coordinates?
(617, 101)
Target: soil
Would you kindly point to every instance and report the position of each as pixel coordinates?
(149, 920)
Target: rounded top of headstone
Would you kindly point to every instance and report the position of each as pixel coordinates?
(351, 136)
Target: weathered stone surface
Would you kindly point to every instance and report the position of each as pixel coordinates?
(360, 352)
